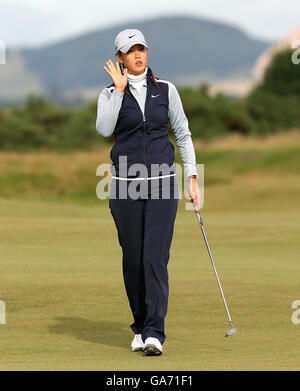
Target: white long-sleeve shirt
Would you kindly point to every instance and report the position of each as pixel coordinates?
(109, 104)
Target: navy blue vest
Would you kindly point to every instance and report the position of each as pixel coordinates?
(144, 139)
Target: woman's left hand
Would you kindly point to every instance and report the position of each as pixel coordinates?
(194, 193)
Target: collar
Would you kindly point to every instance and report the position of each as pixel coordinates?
(147, 79)
(137, 78)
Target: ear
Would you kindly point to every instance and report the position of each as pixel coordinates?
(118, 57)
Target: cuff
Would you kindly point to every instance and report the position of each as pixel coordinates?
(191, 176)
(118, 93)
(190, 169)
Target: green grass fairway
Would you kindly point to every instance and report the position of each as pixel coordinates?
(61, 280)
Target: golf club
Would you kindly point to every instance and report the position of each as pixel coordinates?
(233, 329)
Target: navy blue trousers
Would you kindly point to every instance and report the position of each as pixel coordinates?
(145, 230)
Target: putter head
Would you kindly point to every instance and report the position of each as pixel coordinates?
(231, 331)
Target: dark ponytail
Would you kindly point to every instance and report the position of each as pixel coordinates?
(152, 77)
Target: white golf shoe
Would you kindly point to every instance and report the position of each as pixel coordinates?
(152, 347)
(137, 343)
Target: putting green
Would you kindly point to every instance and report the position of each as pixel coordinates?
(61, 280)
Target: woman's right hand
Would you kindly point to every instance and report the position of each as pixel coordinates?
(194, 193)
(120, 81)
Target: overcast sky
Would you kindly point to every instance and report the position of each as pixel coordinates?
(36, 22)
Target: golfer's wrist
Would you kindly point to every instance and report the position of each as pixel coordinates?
(191, 177)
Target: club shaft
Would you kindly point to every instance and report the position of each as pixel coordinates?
(213, 264)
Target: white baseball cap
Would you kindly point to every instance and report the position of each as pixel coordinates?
(127, 38)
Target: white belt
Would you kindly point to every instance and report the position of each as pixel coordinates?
(137, 179)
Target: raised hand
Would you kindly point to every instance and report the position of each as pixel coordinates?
(120, 81)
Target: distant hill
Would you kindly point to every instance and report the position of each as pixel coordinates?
(265, 58)
(185, 50)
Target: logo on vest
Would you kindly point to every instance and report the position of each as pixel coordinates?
(154, 96)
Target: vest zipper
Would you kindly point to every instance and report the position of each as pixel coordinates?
(144, 120)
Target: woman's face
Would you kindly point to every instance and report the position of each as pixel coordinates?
(135, 60)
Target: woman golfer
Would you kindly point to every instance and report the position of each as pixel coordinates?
(136, 108)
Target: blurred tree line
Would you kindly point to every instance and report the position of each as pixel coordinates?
(272, 105)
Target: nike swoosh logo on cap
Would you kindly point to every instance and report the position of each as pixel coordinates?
(130, 36)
